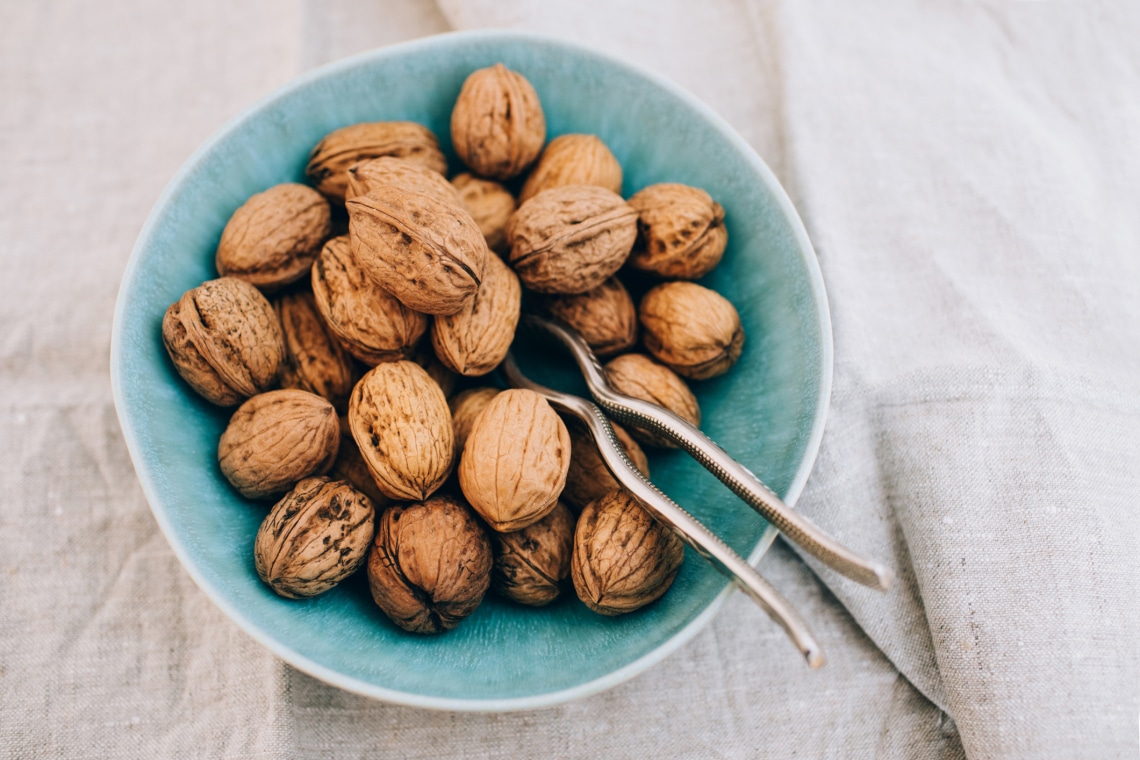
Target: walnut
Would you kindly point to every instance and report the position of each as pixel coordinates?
(490, 205)
(497, 125)
(681, 232)
(331, 158)
(623, 559)
(399, 419)
(224, 340)
(424, 355)
(515, 460)
(694, 331)
(639, 376)
(430, 564)
(570, 239)
(364, 176)
(573, 160)
(589, 477)
(531, 564)
(605, 317)
(473, 341)
(272, 239)
(350, 467)
(465, 408)
(315, 361)
(276, 439)
(426, 252)
(314, 538)
(371, 324)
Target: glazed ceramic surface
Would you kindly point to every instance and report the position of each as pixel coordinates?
(768, 411)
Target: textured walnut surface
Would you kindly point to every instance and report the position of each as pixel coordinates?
(315, 361)
(588, 477)
(515, 460)
(276, 439)
(573, 160)
(350, 467)
(444, 376)
(694, 331)
(475, 339)
(497, 125)
(426, 252)
(570, 239)
(400, 421)
(370, 322)
(364, 176)
(225, 340)
(314, 538)
(623, 559)
(680, 231)
(465, 409)
(430, 564)
(490, 205)
(531, 564)
(272, 239)
(640, 376)
(331, 158)
(605, 316)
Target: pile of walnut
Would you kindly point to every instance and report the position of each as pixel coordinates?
(532, 502)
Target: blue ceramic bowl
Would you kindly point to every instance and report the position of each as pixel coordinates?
(769, 411)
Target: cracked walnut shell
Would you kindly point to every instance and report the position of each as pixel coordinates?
(315, 361)
(427, 252)
(276, 439)
(314, 538)
(225, 341)
(694, 331)
(570, 239)
(272, 239)
(573, 160)
(623, 559)
(399, 418)
(515, 460)
(497, 125)
(681, 232)
(476, 339)
(371, 324)
(331, 158)
(532, 564)
(639, 376)
(430, 564)
(605, 317)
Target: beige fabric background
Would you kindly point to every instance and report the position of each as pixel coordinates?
(970, 175)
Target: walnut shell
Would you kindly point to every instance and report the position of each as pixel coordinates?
(588, 477)
(497, 125)
(515, 460)
(475, 339)
(426, 252)
(681, 232)
(605, 317)
(276, 439)
(570, 239)
(430, 564)
(400, 421)
(573, 160)
(694, 331)
(364, 176)
(531, 564)
(465, 408)
(315, 361)
(331, 158)
(272, 239)
(314, 538)
(424, 356)
(371, 324)
(639, 376)
(224, 340)
(623, 559)
(350, 467)
(490, 205)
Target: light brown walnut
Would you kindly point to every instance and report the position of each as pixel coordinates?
(573, 160)
(680, 232)
(490, 205)
(364, 176)
(640, 376)
(605, 317)
(315, 360)
(497, 125)
(465, 409)
(694, 331)
(476, 339)
(588, 476)
(532, 564)
(331, 158)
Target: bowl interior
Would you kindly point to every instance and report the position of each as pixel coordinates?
(768, 411)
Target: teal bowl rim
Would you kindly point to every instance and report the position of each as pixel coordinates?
(348, 683)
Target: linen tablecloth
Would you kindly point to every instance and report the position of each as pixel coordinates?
(970, 175)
